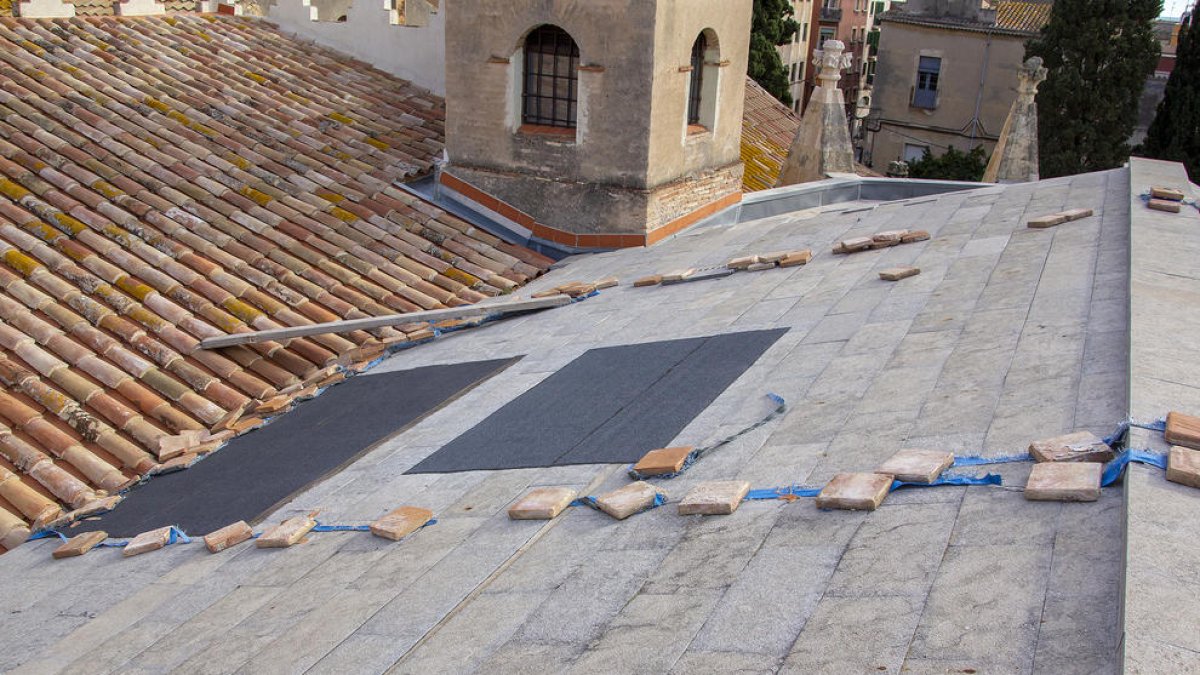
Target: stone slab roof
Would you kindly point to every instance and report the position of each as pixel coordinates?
(1008, 334)
(164, 180)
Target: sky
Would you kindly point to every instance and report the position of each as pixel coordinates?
(1175, 7)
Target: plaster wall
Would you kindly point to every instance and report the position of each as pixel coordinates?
(977, 69)
(417, 54)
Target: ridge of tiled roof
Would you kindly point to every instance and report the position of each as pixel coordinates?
(168, 179)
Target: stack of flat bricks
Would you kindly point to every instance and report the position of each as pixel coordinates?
(766, 261)
(1166, 199)
(1059, 218)
(880, 240)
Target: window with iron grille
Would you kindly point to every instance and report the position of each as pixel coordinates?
(696, 84)
(551, 80)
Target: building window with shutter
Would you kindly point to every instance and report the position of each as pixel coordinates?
(925, 94)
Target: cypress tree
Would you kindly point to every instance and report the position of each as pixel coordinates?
(1175, 132)
(772, 25)
(1099, 54)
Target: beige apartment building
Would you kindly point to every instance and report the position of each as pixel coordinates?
(946, 76)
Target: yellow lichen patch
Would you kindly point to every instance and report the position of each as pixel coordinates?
(338, 117)
(342, 214)
(107, 189)
(179, 117)
(328, 195)
(21, 262)
(41, 230)
(12, 190)
(461, 276)
(344, 156)
(170, 20)
(256, 77)
(201, 129)
(117, 234)
(242, 310)
(32, 47)
(378, 143)
(225, 322)
(147, 318)
(135, 288)
(237, 160)
(157, 105)
(204, 36)
(260, 198)
(68, 223)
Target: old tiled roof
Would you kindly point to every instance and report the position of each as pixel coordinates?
(768, 127)
(163, 180)
(1020, 18)
(1023, 16)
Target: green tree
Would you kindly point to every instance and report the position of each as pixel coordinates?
(951, 165)
(1099, 54)
(771, 26)
(1175, 132)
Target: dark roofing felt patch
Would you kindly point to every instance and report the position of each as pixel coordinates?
(609, 405)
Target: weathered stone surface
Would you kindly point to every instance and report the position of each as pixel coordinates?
(1076, 214)
(1183, 466)
(401, 522)
(1165, 205)
(652, 280)
(822, 142)
(230, 535)
(1064, 482)
(743, 262)
(1167, 193)
(542, 503)
(679, 275)
(1015, 157)
(914, 236)
(760, 266)
(1183, 430)
(663, 461)
(626, 501)
(796, 258)
(714, 498)
(898, 273)
(913, 465)
(1081, 446)
(1047, 221)
(79, 544)
(288, 533)
(147, 541)
(855, 491)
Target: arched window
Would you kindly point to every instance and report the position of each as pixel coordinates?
(696, 84)
(551, 81)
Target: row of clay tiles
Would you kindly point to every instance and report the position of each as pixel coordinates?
(768, 128)
(117, 240)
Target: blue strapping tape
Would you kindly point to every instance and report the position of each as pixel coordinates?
(986, 479)
(981, 461)
(1114, 469)
(783, 492)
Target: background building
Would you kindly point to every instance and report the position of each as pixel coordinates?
(946, 76)
(795, 54)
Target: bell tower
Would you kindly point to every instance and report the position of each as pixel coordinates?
(596, 123)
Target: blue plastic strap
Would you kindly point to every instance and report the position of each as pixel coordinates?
(986, 479)
(981, 461)
(1114, 469)
(46, 534)
(341, 528)
(788, 492)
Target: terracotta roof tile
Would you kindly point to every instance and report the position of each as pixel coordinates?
(168, 179)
